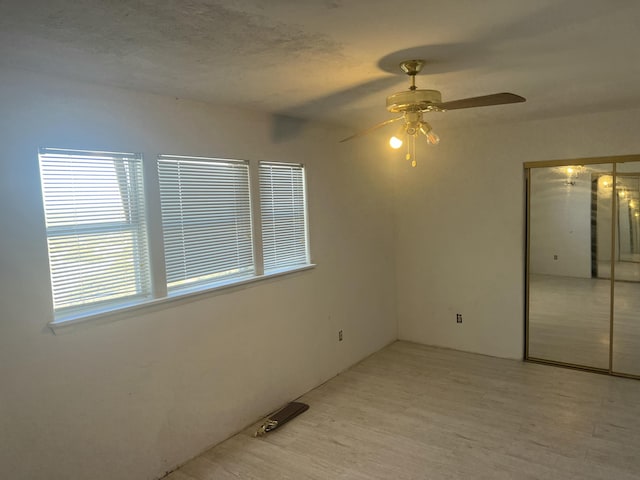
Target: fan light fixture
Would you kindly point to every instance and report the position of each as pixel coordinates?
(407, 134)
(395, 142)
(414, 102)
(572, 173)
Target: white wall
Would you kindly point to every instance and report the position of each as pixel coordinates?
(460, 225)
(132, 398)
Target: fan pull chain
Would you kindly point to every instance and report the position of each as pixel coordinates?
(411, 150)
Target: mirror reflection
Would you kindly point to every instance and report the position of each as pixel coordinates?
(570, 246)
(626, 311)
(628, 191)
(584, 230)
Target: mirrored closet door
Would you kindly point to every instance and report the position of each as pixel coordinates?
(569, 253)
(626, 291)
(583, 264)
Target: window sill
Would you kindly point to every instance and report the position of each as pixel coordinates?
(66, 325)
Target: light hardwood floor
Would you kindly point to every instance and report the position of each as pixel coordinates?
(417, 412)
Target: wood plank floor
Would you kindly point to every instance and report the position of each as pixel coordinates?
(417, 412)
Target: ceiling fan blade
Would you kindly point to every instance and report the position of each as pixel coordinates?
(369, 130)
(484, 101)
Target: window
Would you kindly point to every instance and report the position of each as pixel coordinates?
(284, 216)
(96, 230)
(98, 238)
(206, 220)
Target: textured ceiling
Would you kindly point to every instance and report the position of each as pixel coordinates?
(336, 60)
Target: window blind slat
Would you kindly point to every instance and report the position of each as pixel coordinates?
(206, 219)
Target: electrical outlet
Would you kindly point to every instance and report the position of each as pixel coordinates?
(458, 318)
(339, 335)
(555, 257)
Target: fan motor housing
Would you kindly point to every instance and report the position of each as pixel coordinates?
(414, 100)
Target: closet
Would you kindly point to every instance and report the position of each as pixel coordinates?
(583, 263)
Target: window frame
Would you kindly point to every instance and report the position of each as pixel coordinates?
(133, 205)
(171, 164)
(156, 250)
(293, 206)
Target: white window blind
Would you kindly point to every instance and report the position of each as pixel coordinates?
(96, 230)
(206, 220)
(284, 216)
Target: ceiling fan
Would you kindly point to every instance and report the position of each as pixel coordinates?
(414, 102)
